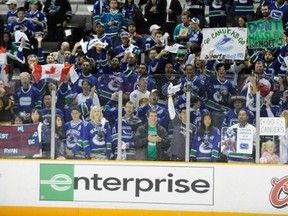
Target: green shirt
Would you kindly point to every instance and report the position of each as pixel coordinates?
(151, 148)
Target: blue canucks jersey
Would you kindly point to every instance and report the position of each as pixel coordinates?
(128, 12)
(149, 43)
(11, 17)
(74, 134)
(231, 117)
(25, 101)
(206, 148)
(99, 8)
(16, 25)
(97, 138)
(38, 16)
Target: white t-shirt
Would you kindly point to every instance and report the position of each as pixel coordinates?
(139, 98)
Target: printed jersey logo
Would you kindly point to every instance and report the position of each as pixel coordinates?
(276, 14)
(279, 192)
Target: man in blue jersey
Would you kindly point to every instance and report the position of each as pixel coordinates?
(231, 116)
(130, 123)
(99, 8)
(22, 24)
(12, 13)
(46, 111)
(26, 97)
(37, 17)
(151, 40)
(217, 13)
(74, 131)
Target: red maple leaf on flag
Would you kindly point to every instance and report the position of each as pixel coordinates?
(51, 71)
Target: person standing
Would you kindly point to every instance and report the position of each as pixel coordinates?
(173, 9)
(151, 139)
(58, 13)
(97, 136)
(243, 124)
(12, 13)
(155, 12)
(177, 150)
(197, 9)
(206, 143)
(6, 104)
(26, 97)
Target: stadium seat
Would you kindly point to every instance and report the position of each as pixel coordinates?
(50, 46)
(82, 11)
(74, 8)
(77, 1)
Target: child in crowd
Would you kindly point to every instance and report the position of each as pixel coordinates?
(268, 153)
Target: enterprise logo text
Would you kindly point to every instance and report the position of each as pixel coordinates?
(125, 183)
(168, 184)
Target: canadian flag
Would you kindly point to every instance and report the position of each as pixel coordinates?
(57, 72)
(4, 69)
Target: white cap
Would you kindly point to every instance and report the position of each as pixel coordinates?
(195, 20)
(11, 2)
(154, 27)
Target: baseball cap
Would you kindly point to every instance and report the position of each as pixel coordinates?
(181, 53)
(237, 97)
(154, 27)
(99, 23)
(11, 2)
(124, 34)
(33, 1)
(79, 53)
(188, 84)
(132, 23)
(154, 90)
(195, 20)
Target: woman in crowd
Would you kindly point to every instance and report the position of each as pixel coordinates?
(128, 10)
(206, 143)
(18, 120)
(242, 20)
(97, 136)
(59, 137)
(44, 137)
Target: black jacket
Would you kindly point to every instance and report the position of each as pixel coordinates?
(141, 142)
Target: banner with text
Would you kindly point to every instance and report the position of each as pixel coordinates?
(236, 140)
(224, 43)
(19, 140)
(264, 34)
